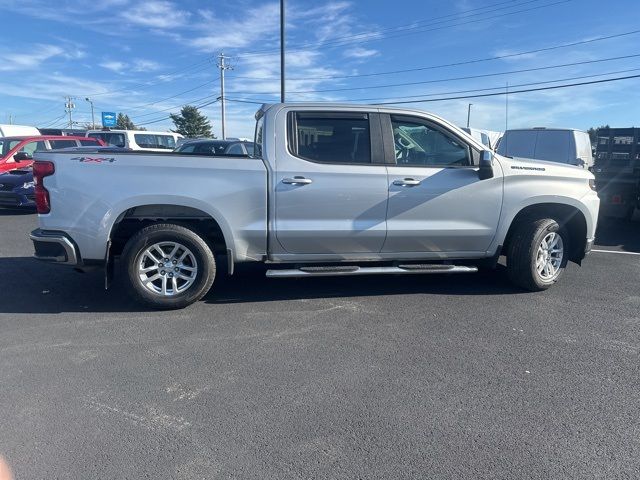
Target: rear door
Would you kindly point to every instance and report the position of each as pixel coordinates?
(331, 183)
(437, 203)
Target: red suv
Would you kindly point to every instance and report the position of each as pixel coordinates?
(17, 152)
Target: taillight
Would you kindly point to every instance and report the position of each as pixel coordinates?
(41, 170)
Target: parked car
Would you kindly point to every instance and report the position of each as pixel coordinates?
(137, 139)
(330, 190)
(617, 171)
(17, 131)
(216, 147)
(568, 146)
(17, 152)
(16, 188)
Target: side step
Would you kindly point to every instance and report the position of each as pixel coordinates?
(321, 271)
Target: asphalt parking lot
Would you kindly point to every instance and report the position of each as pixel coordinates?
(380, 377)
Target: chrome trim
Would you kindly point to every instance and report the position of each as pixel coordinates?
(341, 271)
(70, 258)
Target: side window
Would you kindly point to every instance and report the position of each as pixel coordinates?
(115, 139)
(56, 144)
(89, 143)
(257, 142)
(421, 145)
(235, 149)
(331, 137)
(186, 148)
(33, 146)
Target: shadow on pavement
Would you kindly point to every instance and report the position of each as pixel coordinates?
(30, 286)
(615, 234)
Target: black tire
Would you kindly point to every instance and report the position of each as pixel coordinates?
(168, 232)
(523, 249)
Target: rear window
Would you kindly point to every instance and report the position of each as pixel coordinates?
(553, 146)
(150, 140)
(518, 144)
(331, 137)
(110, 138)
(57, 144)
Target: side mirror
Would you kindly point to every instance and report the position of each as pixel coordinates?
(22, 157)
(486, 165)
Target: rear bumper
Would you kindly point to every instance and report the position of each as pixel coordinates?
(56, 247)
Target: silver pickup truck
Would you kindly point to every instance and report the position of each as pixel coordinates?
(331, 190)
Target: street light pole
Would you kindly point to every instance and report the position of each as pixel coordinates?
(469, 114)
(282, 63)
(93, 120)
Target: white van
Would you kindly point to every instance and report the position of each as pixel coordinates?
(559, 145)
(137, 139)
(18, 131)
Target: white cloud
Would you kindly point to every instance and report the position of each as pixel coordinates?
(360, 53)
(142, 65)
(114, 66)
(156, 14)
(28, 59)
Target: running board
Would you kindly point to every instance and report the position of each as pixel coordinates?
(356, 270)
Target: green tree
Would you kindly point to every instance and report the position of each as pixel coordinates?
(123, 122)
(191, 123)
(593, 133)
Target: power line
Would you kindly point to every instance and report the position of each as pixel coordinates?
(465, 62)
(164, 118)
(174, 96)
(466, 77)
(374, 36)
(511, 92)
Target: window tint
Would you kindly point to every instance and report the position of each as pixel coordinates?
(419, 144)
(343, 138)
(89, 143)
(211, 148)
(518, 144)
(56, 144)
(188, 148)
(553, 146)
(249, 148)
(235, 149)
(33, 146)
(110, 138)
(257, 142)
(149, 140)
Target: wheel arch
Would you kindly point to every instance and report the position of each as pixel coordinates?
(568, 217)
(136, 217)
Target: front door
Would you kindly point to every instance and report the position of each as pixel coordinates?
(330, 184)
(437, 203)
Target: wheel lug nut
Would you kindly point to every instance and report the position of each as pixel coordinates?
(175, 262)
(176, 269)
(162, 272)
(171, 275)
(161, 265)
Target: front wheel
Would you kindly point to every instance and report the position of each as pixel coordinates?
(537, 254)
(167, 266)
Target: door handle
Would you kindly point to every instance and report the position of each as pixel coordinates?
(407, 182)
(297, 181)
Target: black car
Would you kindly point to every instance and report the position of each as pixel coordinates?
(16, 189)
(216, 147)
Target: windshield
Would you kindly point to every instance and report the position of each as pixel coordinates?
(7, 144)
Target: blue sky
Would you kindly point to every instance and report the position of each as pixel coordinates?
(148, 57)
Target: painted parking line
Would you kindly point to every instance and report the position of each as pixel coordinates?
(616, 251)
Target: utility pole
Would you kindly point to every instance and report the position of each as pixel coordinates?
(223, 66)
(93, 119)
(282, 63)
(69, 105)
(11, 119)
(469, 114)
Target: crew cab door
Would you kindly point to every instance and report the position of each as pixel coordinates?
(437, 203)
(330, 183)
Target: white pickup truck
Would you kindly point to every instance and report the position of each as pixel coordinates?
(331, 190)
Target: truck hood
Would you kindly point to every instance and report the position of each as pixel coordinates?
(515, 165)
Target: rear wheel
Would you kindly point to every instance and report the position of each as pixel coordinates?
(537, 254)
(167, 266)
